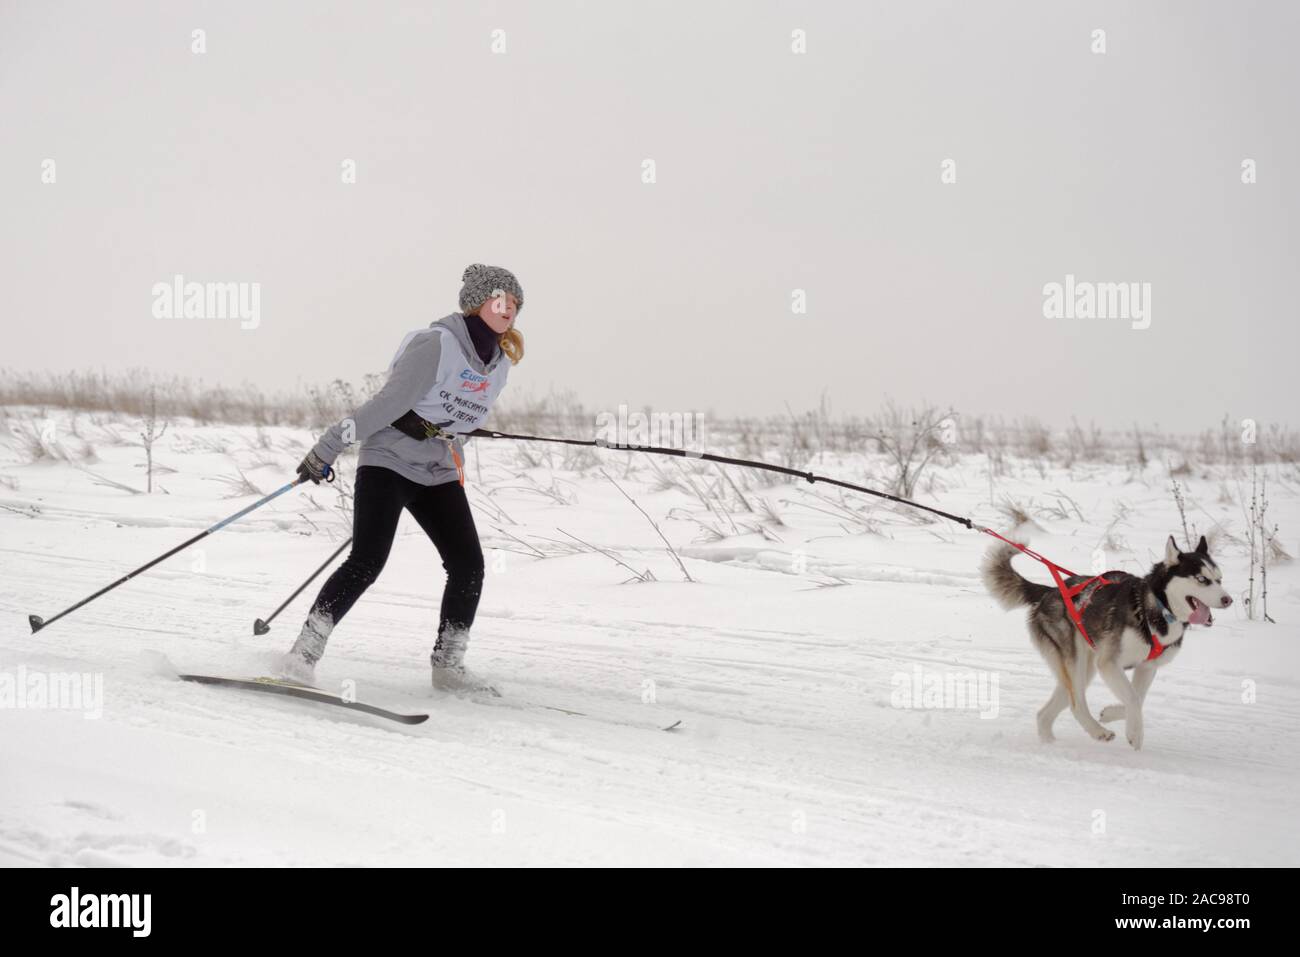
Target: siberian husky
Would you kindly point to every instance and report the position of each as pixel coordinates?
(1134, 623)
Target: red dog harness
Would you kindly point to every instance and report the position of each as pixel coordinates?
(1068, 592)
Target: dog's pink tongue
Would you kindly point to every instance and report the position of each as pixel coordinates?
(1200, 614)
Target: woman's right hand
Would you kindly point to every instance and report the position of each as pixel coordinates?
(313, 468)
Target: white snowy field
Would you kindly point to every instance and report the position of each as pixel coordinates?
(788, 661)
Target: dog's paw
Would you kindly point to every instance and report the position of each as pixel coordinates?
(1103, 734)
(1134, 735)
(1045, 735)
(1112, 712)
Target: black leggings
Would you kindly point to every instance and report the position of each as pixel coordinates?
(442, 511)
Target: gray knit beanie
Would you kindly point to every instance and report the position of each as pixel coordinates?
(482, 283)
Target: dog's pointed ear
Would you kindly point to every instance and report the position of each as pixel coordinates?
(1171, 551)
(1203, 547)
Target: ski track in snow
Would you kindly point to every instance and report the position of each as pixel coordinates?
(791, 751)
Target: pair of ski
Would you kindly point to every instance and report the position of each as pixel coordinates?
(293, 689)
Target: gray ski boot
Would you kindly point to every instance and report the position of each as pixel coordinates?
(299, 665)
(448, 661)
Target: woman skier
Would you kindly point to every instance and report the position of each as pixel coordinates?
(441, 383)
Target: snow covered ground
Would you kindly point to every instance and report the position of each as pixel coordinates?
(789, 661)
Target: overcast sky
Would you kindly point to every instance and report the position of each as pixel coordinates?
(775, 171)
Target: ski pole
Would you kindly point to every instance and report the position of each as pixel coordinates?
(37, 622)
(262, 626)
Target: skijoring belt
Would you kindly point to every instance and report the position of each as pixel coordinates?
(418, 427)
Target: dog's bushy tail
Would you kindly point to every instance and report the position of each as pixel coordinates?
(1008, 586)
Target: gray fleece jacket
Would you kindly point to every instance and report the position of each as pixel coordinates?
(438, 373)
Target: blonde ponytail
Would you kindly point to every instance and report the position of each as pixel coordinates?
(512, 344)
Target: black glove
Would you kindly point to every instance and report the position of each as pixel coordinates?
(314, 468)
